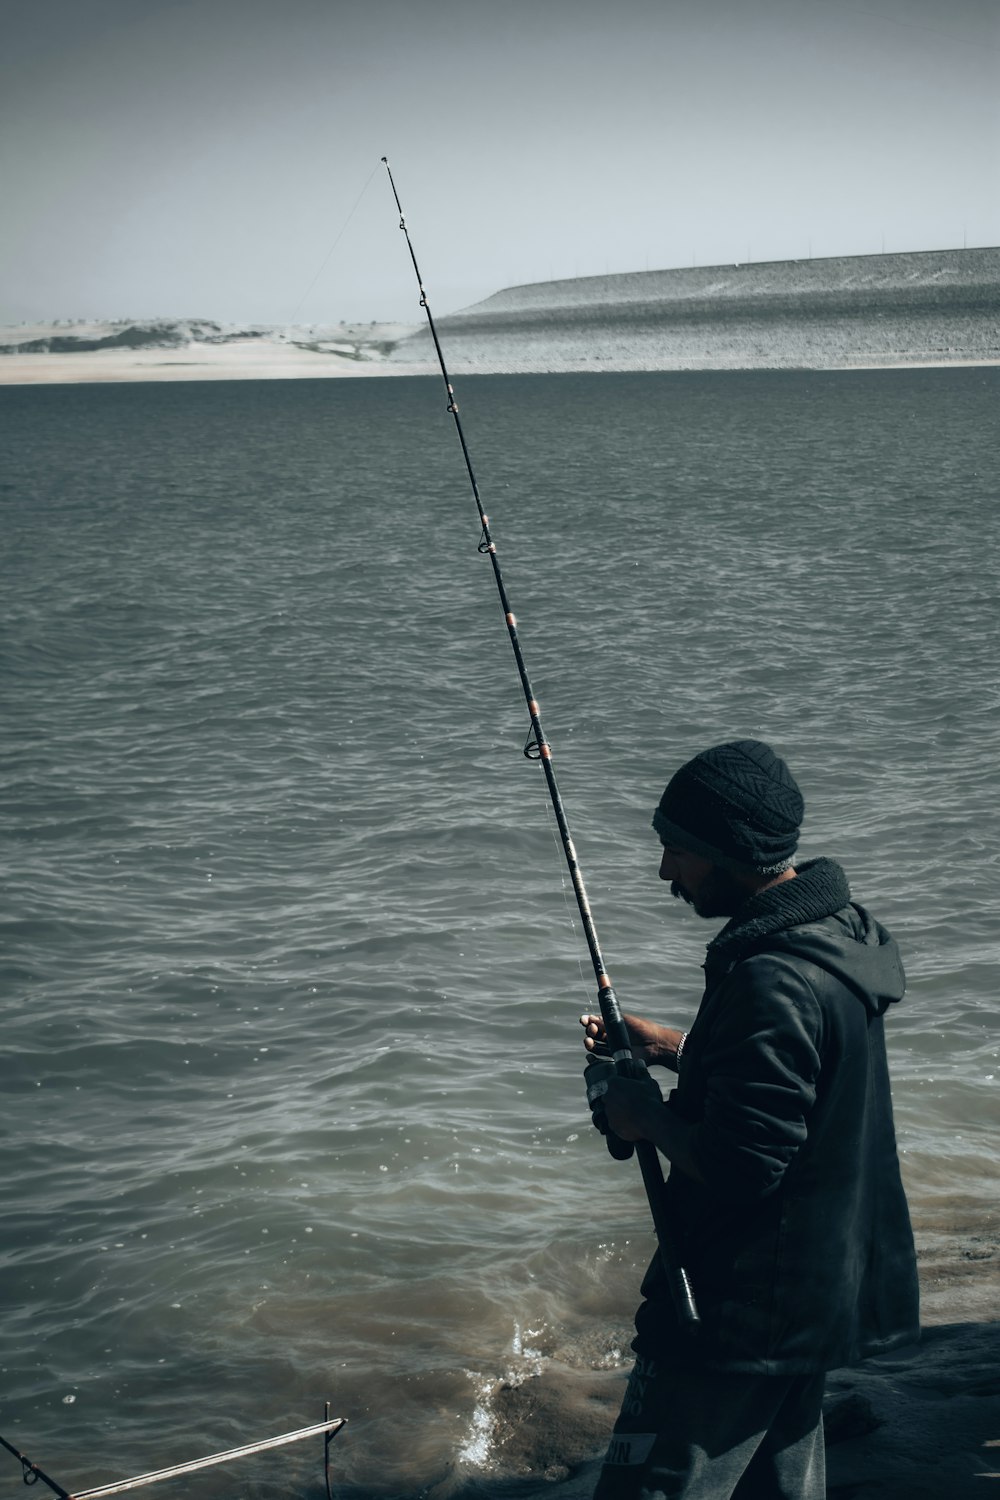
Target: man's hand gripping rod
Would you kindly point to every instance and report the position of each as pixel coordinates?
(537, 748)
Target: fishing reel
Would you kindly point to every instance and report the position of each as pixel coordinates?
(596, 1075)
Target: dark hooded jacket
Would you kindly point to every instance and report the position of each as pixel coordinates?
(798, 1241)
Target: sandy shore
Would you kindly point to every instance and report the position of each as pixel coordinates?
(249, 360)
(257, 361)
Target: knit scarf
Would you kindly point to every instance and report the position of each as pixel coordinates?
(819, 889)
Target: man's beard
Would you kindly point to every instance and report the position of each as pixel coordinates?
(721, 894)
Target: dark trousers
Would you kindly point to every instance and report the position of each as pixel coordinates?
(685, 1433)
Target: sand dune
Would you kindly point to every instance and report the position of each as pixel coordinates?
(193, 349)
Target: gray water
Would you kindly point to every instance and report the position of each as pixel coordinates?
(292, 1106)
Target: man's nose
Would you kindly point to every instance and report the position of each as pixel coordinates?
(667, 871)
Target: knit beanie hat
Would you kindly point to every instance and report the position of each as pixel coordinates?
(737, 805)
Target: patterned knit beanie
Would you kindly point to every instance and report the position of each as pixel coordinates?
(737, 805)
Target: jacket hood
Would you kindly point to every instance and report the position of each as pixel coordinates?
(813, 917)
(856, 949)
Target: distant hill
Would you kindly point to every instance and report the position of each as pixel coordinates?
(933, 306)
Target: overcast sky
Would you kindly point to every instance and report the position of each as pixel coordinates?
(203, 157)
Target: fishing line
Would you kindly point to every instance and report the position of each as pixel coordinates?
(306, 295)
(537, 748)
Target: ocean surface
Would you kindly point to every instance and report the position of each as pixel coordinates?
(292, 1100)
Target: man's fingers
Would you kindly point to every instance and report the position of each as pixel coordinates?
(595, 1040)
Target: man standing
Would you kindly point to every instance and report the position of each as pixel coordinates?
(784, 1191)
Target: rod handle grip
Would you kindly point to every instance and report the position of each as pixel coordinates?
(683, 1300)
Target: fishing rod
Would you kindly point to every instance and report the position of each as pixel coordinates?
(31, 1472)
(537, 748)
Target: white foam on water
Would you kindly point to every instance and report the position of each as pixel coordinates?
(478, 1446)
